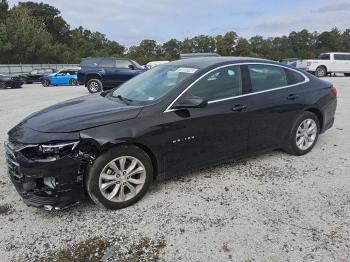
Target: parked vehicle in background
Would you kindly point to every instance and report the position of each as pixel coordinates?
(290, 61)
(171, 120)
(152, 64)
(103, 73)
(195, 55)
(63, 77)
(7, 81)
(36, 74)
(327, 63)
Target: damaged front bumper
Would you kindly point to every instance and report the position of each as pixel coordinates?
(49, 183)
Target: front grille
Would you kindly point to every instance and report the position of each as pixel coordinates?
(12, 164)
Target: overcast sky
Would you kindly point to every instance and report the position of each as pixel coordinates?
(129, 22)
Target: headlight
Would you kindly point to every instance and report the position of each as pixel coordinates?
(58, 149)
(49, 152)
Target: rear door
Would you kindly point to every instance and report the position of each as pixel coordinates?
(342, 62)
(108, 70)
(276, 99)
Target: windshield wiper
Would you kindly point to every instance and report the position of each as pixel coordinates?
(124, 99)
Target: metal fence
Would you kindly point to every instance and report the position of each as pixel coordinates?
(14, 69)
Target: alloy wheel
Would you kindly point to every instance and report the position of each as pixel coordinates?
(306, 134)
(122, 179)
(94, 87)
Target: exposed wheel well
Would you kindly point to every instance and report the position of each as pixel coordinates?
(92, 76)
(319, 115)
(323, 67)
(148, 151)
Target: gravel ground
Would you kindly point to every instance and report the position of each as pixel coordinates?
(270, 207)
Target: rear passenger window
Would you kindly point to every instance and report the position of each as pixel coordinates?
(107, 63)
(222, 83)
(343, 57)
(265, 77)
(294, 77)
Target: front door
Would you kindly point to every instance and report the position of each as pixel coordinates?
(199, 137)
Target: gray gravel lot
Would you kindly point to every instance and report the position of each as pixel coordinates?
(270, 207)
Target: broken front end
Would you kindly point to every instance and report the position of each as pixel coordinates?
(48, 176)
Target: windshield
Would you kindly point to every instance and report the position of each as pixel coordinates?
(153, 84)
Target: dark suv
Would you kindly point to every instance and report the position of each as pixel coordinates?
(103, 73)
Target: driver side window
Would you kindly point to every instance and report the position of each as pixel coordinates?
(222, 83)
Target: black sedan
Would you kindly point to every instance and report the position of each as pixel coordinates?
(168, 121)
(35, 75)
(7, 81)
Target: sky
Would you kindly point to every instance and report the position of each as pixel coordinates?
(129, 22)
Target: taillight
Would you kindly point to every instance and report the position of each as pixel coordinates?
(334, 91)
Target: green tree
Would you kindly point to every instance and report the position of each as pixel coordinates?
(172, 49)
(243, 47)
(50, 16)
(28, 41)
(4, 7)
(225, 45)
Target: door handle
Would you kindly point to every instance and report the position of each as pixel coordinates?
(239, 108)
(293, 97)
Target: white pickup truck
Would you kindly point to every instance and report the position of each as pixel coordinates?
(327, 63)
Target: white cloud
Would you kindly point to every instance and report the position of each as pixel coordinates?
(131, 21)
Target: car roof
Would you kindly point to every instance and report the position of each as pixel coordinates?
(204, 62)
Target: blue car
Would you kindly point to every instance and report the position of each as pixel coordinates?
(63, 77)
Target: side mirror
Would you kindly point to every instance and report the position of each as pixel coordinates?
(191, 102)
(132, 67)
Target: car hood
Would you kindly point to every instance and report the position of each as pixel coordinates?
(80, 113)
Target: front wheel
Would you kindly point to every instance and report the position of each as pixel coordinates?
(120, 177)
(46, 83)
(304, 134)
(94, 86)
(347, 74)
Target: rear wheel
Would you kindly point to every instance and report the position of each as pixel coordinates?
(94, 86)
(46, 83)
(347, 74)
(73, 82)
(2, 85)
(304, 134)
(120, 177)
(321, 71)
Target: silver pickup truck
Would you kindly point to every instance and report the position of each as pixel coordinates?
(326, 64)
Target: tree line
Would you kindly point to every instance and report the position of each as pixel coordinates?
(37, 33)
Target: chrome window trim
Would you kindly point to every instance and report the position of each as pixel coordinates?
(307, 79)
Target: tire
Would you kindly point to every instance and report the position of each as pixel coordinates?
(2, 85)
(46, 83)
(73, 82)
(321, 71)
(347, 74)
(297, 133)
(101, 166)
(94, 86)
